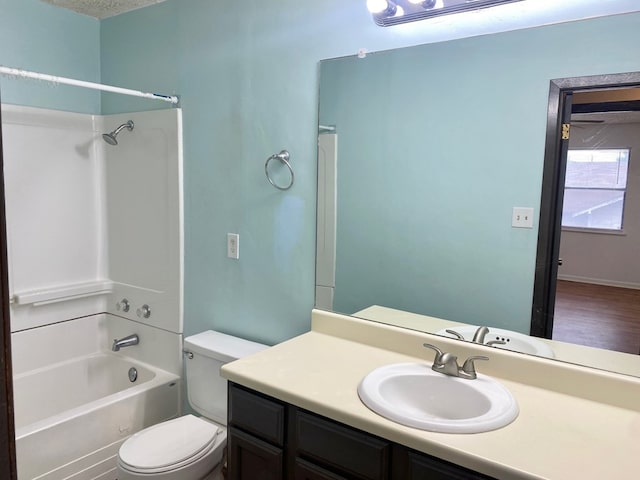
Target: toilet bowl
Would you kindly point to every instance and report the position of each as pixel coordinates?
(189, 447)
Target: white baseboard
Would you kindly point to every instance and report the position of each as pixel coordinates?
(599, 281)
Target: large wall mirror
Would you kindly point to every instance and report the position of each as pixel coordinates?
(423, 154)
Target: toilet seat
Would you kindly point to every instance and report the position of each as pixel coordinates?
(169, 446)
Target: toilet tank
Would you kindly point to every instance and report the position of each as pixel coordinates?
(206, 389)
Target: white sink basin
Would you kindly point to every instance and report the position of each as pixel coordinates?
(513, 340)
(414, 395)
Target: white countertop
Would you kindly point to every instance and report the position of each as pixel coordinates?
(574, 422)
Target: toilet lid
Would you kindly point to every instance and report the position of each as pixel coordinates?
(168, 443)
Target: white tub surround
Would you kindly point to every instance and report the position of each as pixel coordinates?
(53, 195)
(89, 223)
(60, 342)
(573, 420)
(144, 217)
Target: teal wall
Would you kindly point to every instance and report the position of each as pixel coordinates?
(247, 91)
(39, 37)
(436, 144)
(248, 76)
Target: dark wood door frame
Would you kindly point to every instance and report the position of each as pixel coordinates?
(549, 226)
(7, 432)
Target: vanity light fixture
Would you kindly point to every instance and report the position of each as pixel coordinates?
(393, 12)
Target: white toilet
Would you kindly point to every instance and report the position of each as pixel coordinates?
(189, 447)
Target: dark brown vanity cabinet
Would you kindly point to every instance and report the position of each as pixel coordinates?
(411, 465)
(335, 448)
(256, 436)
(271, 440)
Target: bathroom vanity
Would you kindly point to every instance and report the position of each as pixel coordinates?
(294, 413)
(268, 437)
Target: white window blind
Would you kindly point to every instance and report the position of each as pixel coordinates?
(595, 188)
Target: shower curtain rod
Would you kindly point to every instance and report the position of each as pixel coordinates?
(16, 72)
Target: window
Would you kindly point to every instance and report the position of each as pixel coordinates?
(595, 187)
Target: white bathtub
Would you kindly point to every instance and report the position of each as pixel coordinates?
(72, 416)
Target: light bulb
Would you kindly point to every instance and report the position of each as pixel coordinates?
(377, 6)
(383, 8)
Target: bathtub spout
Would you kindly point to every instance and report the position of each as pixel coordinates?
(125, 342)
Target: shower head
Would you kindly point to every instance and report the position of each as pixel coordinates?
(110, 138)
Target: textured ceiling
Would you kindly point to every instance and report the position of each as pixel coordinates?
(102, 8)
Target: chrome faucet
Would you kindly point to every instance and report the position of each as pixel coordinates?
(447, 364)
(481, 332)
(478, 337)
(125, 342)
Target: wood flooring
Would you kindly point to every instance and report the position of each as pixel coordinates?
(597, 316)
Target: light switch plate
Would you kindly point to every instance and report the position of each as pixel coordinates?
(522, 217)
(233, 245)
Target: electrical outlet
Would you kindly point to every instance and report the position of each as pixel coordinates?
(233, 245)
(522, 217)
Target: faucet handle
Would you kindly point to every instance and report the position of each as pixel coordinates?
(469, 367)
(439, 353)
(455, 334)
(144, 311)
(123, 305)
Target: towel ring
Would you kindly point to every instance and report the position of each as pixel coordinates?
(283, 156)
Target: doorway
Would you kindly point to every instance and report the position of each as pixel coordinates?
(567, 96)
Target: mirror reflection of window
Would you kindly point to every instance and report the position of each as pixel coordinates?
(595, 188)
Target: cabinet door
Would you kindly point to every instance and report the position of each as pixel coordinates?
(411, 465)
(256, 414)
(252, 459)
(352, 453)
(304, 470)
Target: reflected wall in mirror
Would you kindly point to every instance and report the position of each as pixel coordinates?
(435, 146)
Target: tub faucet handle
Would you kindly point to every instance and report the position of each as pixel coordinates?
(144, 311)
(123, 305)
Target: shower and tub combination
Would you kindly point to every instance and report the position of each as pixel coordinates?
(95, 255)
